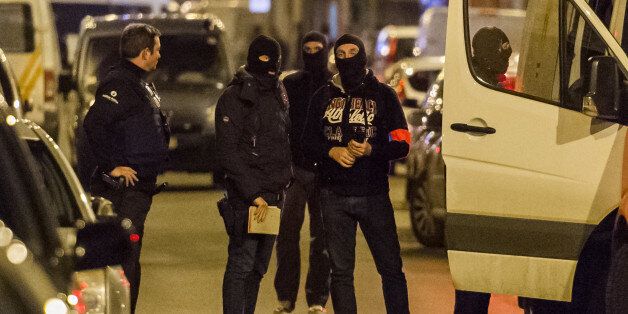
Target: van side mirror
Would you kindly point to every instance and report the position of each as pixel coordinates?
(603, 97)
(104, 243)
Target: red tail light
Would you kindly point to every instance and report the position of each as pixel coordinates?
(78, 302)
(50, 86)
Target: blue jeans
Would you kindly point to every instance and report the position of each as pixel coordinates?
(374, 213)
(249, 256)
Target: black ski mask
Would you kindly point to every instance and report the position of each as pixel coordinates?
(491, 51)
(352, 70)
(315, 63)
(264, 46)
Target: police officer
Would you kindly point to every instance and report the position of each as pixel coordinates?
(300, 87)
(254, 152)
(128, 135)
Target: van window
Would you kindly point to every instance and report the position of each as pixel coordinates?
(536, 67)
(17, 18)
(188, 61)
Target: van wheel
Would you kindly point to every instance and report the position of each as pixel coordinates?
(427, 228)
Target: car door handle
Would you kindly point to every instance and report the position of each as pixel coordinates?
(463, 127)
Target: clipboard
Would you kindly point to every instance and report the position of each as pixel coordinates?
(270, 225)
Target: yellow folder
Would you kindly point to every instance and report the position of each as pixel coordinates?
(270, 225)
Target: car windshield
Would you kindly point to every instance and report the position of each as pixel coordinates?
(188, 61)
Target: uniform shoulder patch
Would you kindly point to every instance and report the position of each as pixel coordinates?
(111, 96)
(225, 119)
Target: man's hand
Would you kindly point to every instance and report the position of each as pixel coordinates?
(342, 156)
(262, 209)
(128, 173)
(358, 149)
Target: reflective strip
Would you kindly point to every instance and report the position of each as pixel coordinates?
(32, 72)
(29, 66)
(516, 236)
(399, 135)
(28, 88)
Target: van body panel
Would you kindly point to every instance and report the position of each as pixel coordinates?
(543, 163)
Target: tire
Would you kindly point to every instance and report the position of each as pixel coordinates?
(427, 228)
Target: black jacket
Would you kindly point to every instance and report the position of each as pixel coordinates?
(300, 87)
(335, 117)
(125, 126)
(252, 126)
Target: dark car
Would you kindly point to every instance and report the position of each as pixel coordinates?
(190, 76)
(426, 169)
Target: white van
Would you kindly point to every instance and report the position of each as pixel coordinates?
(533, 174)
(29, 38)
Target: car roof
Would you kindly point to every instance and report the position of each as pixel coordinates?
(166, 23)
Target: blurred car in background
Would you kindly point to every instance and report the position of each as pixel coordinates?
(425, 189)
(190, 76)
(394, 42)
(411, 77)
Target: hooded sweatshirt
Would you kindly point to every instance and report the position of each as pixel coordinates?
(337, 115)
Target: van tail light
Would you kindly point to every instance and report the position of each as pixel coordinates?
(50, 86)
(401, 90)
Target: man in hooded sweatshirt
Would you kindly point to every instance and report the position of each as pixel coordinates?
(355, 127)
(300, 87)
(252, 131)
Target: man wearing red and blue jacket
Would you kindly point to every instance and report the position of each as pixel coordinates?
(355, 127)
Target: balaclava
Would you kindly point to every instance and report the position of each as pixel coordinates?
(264, 45)
(491, 50)
(315, 63)
(352, 70)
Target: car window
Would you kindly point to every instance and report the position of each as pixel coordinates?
(188, 61)
(17, 18)
(64, 207)
(536, 67)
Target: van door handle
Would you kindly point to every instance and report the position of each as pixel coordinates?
(463, 127)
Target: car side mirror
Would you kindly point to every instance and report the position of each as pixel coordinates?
(103, 208)
(603, 97)
(104, 243)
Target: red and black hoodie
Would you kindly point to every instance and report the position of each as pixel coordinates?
(336, 115)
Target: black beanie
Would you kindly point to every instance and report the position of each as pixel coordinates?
(263, 45)
(352, 70)
(315, 63)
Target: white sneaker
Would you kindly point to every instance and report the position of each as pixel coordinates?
(316, 309)
(284, 307)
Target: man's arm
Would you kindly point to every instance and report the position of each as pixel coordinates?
(228, 133)
(313, 142)
(111, 104)
(398, 143)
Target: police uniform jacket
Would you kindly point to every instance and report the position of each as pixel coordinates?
(125, 126)
(252, 129)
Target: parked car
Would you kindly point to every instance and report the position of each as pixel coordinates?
(425, 189)
(411, 77)
(190, 76)
(394, 42)
(26, 207)
(102, 290)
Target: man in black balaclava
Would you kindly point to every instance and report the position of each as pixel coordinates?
(354, 128)
(300, 87)
(491, 51)
(254, 152)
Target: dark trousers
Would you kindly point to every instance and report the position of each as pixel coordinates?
(469, 302)
(249, 256)
(131, 203)
(304, 190)
(374, 213)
